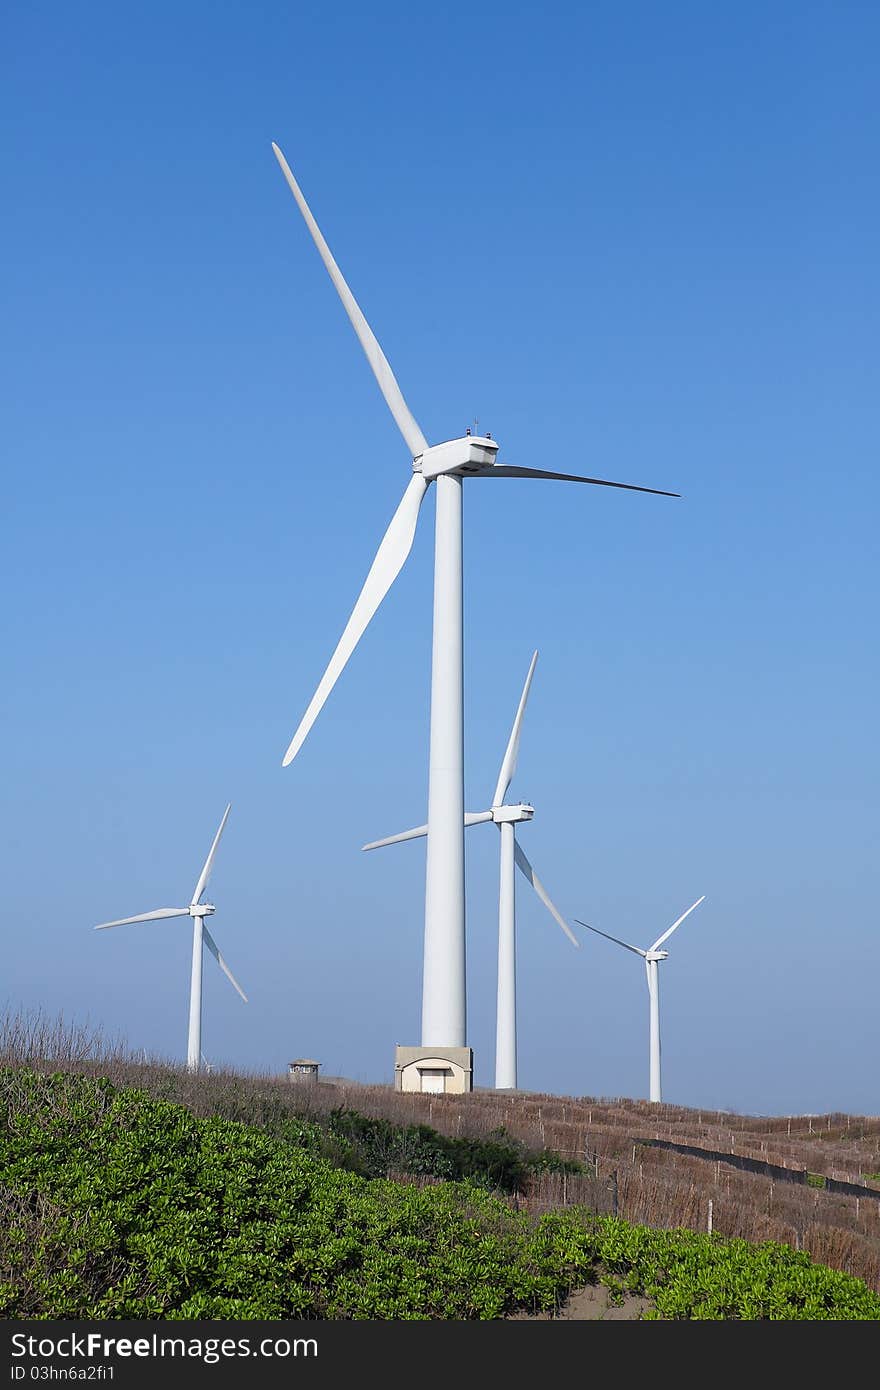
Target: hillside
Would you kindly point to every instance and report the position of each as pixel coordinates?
(611, 1142)
(120, 1205)
(632, 1177)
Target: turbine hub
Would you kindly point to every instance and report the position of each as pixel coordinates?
(202, 909)
(656, 955)
(470, 454)
(502, 814)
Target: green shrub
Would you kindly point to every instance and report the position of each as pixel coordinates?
(376, 1147)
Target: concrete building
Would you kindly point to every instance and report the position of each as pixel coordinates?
(438, 1070)
(303, 1069)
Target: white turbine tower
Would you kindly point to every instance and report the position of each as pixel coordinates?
(652, 958)
(443, 985)
(506, 818)
(198, 911)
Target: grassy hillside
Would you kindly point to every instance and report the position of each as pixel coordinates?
(550, 1151)
(116, 1204)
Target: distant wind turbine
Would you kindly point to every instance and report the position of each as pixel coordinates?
(506, 818)
(198, 911)
(652, 958)
(446, 465)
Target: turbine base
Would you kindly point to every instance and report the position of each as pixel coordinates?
(435, 1070)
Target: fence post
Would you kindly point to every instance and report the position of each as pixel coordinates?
(614, 1201)
(709, 1218)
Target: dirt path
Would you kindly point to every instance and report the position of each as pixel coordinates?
(592, 1304)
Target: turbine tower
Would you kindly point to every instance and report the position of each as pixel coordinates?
(198, 911)
(506, 818)
(652, 958)
(447, 464)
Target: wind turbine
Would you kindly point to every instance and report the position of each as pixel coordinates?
(652, 958)
(198, 911)
(443, 982)
(506, 818)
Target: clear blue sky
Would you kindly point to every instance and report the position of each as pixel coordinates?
(636, 241)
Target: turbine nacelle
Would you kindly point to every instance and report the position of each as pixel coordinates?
(470, 454)
(656, 955)
(201, 909)
(512, 814)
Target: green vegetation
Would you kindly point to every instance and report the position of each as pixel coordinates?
(119, 1205)
(375, 1147)
(815, 1180)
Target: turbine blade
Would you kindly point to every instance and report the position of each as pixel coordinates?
(154, 916)
(406, 423)
(212, 947)
(677, 923)
(419, 831)
(415, 834)
(202, 882)
(525, 866)
(508, 762)
(616, 939)
(396, 545)
(504, 470)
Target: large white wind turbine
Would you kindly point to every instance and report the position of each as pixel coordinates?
(443, 987)
(506, 818)
(198, 911)
(652, 958)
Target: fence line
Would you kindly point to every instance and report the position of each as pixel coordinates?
(801, 1176)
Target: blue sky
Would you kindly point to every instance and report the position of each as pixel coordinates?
(634, 241)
